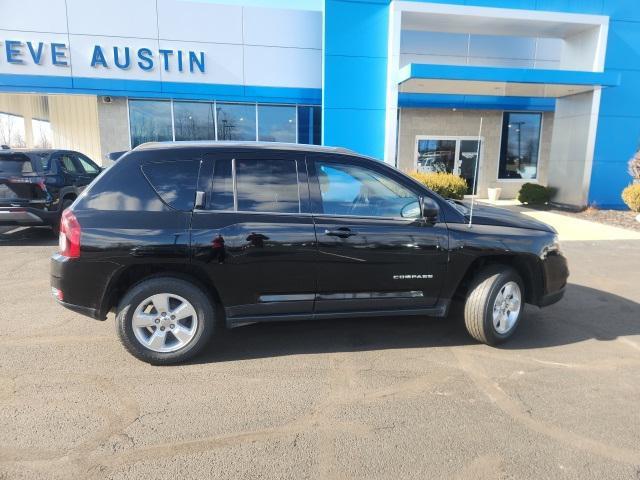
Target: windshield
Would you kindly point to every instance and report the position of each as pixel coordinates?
(16, 164)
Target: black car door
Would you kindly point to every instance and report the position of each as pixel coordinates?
(376, 252)
(70, 169)
(253, 234)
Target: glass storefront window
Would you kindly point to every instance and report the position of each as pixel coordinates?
(12, 132)
(150, 121)
(194, 121)
(236, 121)
(277, 123)
(436, 156)
(309, 121)
(42, 135)
(520, 145)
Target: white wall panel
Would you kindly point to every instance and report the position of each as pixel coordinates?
(242, 45)
(199, 21)
(33, 15)
(223, 63)
(74, 123)
(123, 18)
(82, 48)
(434, 43)
(282, 67)
(29, 67)
(549, 49)
(282, 28)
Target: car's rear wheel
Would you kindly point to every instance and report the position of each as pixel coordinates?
(494, 304)
(165, 320)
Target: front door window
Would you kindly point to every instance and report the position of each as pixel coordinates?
(455, 155)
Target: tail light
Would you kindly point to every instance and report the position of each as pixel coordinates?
(69, 240)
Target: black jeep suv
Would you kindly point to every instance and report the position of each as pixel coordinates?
(178, 238)
(37, 185)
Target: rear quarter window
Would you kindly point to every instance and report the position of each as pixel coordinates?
(122, 187)
(174, 181)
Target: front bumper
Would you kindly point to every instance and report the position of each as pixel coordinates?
(556, 273)
(551, 298)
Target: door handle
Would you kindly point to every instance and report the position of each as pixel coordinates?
(342, 232)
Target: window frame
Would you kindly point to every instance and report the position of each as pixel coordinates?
(316, 195)
(520, 180)
(301, 176)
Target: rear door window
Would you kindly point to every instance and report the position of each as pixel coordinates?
(267, 186)
(174, 181)
(67, 163)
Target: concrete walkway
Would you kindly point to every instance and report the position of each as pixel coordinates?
(576, 229)
(569, 228)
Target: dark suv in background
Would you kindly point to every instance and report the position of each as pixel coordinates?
(37, 185)
(178, 238)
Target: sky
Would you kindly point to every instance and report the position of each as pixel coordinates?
(298, 4)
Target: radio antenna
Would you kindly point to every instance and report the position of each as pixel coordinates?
(475, 176)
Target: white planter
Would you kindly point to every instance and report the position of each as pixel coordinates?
(638, 218)
(494, 193)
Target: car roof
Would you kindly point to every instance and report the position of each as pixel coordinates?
(294, 147)
(35, 151)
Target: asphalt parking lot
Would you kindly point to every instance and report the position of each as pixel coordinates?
(361, 398)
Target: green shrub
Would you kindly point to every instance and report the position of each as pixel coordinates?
(631, 196)
(446, 184)
(534, 194)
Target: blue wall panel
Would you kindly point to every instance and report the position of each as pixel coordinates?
(354, 74)
(607, 182)
(358, 129)
(618, 135)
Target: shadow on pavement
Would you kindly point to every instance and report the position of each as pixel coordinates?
(27, 237)
(583, 314)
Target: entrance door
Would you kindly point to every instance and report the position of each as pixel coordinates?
(449, 154)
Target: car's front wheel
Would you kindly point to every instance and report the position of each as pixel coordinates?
(494, 304)
(165, 320)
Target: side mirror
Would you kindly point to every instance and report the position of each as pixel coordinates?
(430, 209)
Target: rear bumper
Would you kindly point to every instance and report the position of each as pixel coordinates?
(86, 311)
(82, 283)
(27, 216)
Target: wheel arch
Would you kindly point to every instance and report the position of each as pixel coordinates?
(527, 266)
(126, 278)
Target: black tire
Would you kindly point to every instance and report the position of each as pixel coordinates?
(55, 228)
(478, 308)
(201, 303)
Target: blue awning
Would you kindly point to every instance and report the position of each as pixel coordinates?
(507, 75)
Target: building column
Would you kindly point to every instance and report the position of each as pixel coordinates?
(572, 146)
(355, 50)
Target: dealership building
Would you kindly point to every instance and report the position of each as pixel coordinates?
(513, 91)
